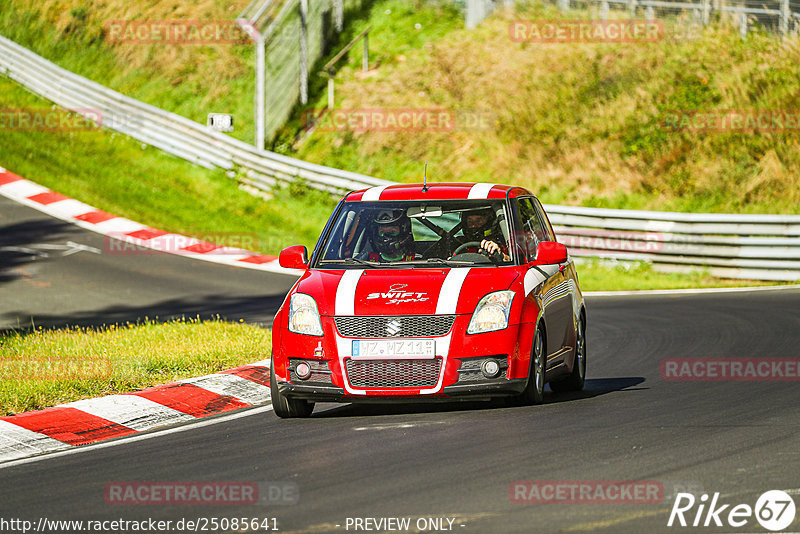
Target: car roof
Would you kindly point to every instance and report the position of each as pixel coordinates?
(437, 191)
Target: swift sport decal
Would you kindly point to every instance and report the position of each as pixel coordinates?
(399, 293)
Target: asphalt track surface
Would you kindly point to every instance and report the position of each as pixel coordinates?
(444, 460)
(53, 273)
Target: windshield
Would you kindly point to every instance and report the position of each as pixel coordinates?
(419, 233)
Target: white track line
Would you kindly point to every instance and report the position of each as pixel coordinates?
(688, 291)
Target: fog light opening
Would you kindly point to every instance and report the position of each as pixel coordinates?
(490, 368)
(303, 371)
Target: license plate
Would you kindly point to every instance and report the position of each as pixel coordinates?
(369, 349)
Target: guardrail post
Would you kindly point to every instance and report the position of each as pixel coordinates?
(649, 13)
(785, 14)
(743, 25)
(563, 5)
(604, 10)
(330, 90)
(706, 12)
(632, 8)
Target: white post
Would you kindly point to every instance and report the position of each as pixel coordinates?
(649, 13)
(604, 10)
(330, 91)
(743, 25)
(632, 8)
(338, 15)
(261, 97)
(706, 12)
(365, 61)
(785, 13)
(304, 51)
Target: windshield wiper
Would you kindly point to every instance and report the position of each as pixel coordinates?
(442, 261)
(352, 261)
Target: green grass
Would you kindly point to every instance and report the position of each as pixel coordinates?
(122, 176)
(42, 368)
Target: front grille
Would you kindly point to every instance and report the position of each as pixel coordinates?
(395, 326)
(393, 373)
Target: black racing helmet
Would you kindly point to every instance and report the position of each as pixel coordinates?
(481, 231)
(392, 242)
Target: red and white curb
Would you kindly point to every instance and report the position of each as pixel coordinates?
(131, 234)
(93, 420)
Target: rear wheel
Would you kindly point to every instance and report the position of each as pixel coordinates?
(577, 378)
(534, 389)
(285, 407)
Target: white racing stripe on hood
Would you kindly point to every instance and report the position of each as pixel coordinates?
(346, 292)
(373, 193)
(451, 289)
(480, 191)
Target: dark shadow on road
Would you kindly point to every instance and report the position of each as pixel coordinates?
(16, 240)
(593, 388)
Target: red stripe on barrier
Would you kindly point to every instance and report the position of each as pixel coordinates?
(146, 233)
(259, 259)
(69, 425)
(48, 197)
(255, 373)
(8, 177)
(95, 217)
(192, 400)
(201, 248)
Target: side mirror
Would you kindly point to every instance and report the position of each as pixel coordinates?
(550, 253)
(294, 257)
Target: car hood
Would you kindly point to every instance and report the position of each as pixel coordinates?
(403, 291)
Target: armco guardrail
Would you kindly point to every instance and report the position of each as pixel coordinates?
(741, 246)
(760, 247)
(167, 131)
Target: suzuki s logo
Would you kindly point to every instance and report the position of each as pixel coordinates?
(397, 295)
(394, 327)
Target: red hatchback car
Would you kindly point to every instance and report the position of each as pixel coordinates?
(430, 292)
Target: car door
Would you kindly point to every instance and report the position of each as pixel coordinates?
(555, 295)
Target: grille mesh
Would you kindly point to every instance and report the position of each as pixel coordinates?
(409, 326)
(393, 373)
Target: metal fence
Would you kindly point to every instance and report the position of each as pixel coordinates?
(740, 246)
(782, 16)
(170, 132)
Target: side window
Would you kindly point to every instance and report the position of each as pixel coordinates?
(551, 235)
(531, 230)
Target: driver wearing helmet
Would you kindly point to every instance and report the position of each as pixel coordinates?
(391, 236)
(479, 226)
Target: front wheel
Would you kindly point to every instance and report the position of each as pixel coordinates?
(577, 378)
(534, 389)
(285, 407)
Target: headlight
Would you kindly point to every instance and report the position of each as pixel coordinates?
(304, 316)
(491, 313)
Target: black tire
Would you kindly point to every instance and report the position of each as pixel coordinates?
(577, 378)
(534, 389)
(285, 407)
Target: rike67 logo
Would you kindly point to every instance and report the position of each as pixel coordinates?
(774, 510)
